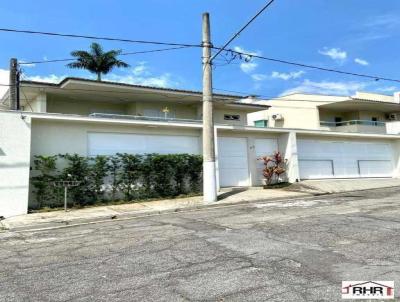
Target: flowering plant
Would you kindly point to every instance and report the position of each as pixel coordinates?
(274, 167)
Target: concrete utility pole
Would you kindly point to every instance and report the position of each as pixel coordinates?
(209, 175)
(14, 85)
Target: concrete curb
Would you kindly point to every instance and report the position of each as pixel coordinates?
(137, 214)
(134, 214)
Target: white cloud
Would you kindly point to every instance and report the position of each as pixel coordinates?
(378, 27)
(141, 75)
(141, 69)
(250, 52)
(387, 89)
(384, 21)
(334, 53)
(4, 80)
(287, 76)
(258, 77)
(164, 80)
(361, 61)
(52, 78)
(327, 87)
(248, 67)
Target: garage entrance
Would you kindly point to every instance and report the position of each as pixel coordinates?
(338, 159)
(232, 162)
(112, 143)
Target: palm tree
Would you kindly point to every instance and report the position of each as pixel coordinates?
(96, 60)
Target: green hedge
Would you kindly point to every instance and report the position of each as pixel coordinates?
(110, 178)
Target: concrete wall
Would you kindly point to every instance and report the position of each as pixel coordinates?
(257, 116)
(51, 137)
(15, 140)
(180, 111)
(287, 144)
(82, 107)
(329, 116)
(368, 115)
(393, 127)
(176, 110)
(219, 116)
(304, 115)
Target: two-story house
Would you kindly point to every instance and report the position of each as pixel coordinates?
(103, 118)
(361, 113)
(330, 152)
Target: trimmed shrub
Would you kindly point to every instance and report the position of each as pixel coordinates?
(45, 191)
(123, 176)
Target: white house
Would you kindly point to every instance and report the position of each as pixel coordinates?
(354, 136)
(90, 118)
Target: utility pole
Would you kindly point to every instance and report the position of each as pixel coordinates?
(14, 85)
(209, 175)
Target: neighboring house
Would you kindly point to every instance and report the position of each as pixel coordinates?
(102, 118)
(361, 113)
(371, 120)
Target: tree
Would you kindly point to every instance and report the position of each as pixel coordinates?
(96, 60)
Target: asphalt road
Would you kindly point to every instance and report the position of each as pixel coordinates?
(297, 250)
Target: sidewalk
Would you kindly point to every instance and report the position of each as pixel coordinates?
(226, 197)
(330, 186)
(94, 214)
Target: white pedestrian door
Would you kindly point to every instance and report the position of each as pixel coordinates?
(232, 162)
(339, 159)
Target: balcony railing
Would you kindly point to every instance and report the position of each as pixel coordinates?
(353, 122)
(144, 118)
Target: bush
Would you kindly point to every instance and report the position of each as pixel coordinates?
(274, 168)
(46, 193)
(109, 178)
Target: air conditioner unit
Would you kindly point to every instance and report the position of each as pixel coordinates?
(277, 117)
(391, 116)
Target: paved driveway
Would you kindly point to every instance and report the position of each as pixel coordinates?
(298, 250)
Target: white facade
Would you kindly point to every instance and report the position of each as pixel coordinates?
(319, 158)
(238, 148)
(15, 142)
(127, 122)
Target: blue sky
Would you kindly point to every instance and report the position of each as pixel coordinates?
(356, 35)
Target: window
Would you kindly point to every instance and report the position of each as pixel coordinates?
(374, 121)
(232, 117)
(338, 120)
(261, 123)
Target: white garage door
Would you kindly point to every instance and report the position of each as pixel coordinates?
(264, 147)
(232, 162)
(112, 143)
(335, 159)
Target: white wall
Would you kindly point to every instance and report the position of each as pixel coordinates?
(287, 144)
(393, 127)
(15, 140)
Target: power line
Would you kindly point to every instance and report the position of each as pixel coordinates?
(95, 37)
(311, 66)
(122, 54)
(241, 30)
(220, 97)
(220, 49)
